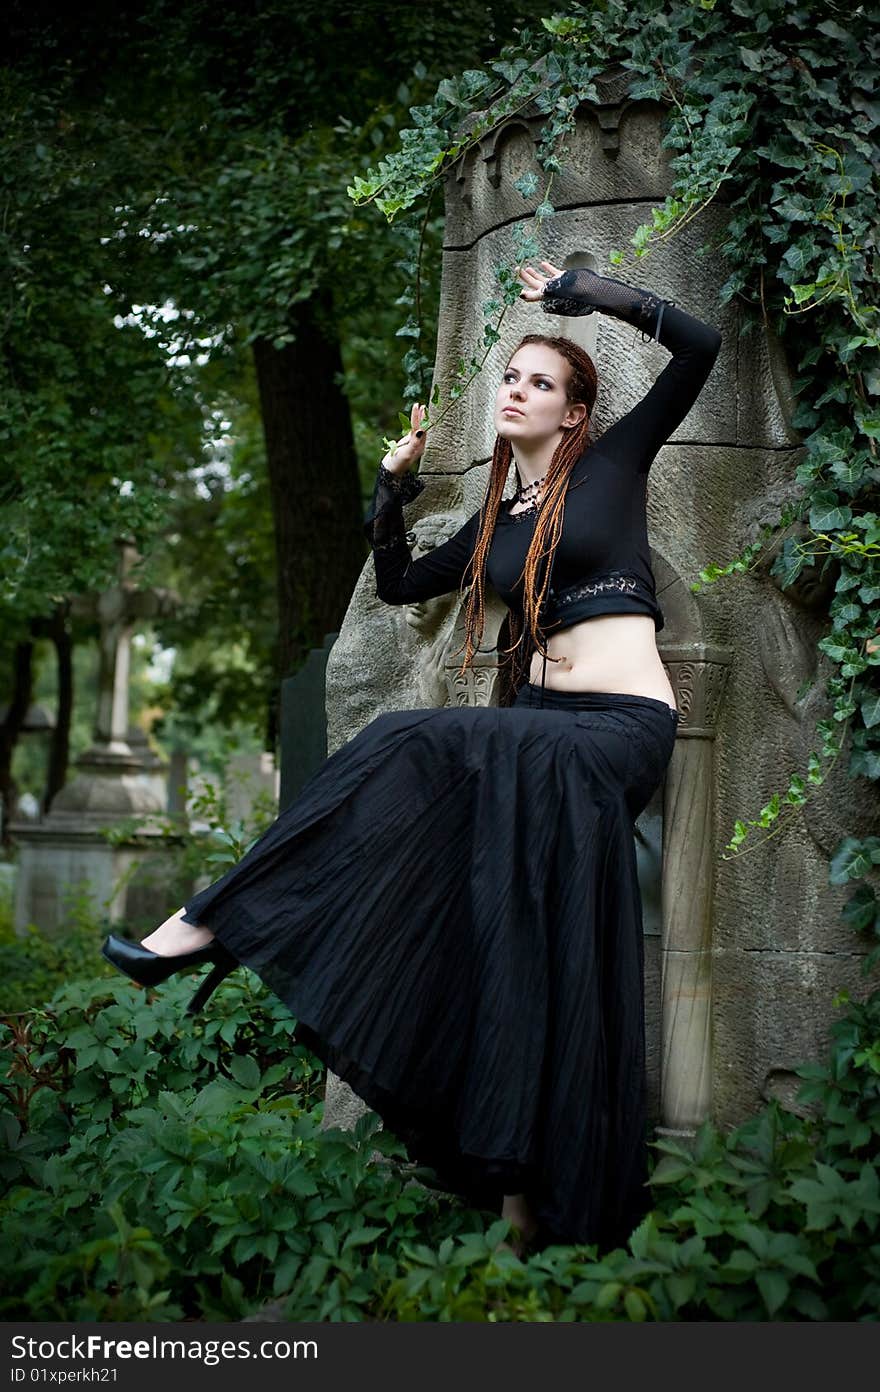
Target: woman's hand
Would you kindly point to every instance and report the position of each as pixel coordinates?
(410, 447)
(535, 281)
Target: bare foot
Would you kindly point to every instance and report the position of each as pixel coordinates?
(174, 936)
(517, 1210)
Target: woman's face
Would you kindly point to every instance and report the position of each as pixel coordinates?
(531, 405)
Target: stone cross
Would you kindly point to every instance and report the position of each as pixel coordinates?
(111, 784)
(118, 610)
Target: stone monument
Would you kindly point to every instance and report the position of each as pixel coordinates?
(743, 956)
(66, 853)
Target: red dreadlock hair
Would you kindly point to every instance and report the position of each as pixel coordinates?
(581, 387)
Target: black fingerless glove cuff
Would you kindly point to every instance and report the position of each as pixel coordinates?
(406, 486)
(383, 524)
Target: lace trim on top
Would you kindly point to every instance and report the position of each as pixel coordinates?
(518, 516)
(623, 581)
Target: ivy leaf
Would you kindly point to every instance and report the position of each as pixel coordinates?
(753, 58)
(510, 71)
(861, 911)
(834, 31)
(526, 184)
(789, 563)
(827, 515)
(846, 614)
(870, 709)
(853, 859)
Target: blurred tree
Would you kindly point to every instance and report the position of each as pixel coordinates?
(190, 163)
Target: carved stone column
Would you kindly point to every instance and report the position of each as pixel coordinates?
(698, 673)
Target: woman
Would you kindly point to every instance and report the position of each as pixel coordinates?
(451, 908)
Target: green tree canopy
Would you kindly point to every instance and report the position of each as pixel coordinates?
(197, 159)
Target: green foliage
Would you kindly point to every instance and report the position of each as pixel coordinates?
(162, 1171)
(85, 456)
(159, 1175)
(32, 964)
(221, 840)
(219, 555)
(152, 231)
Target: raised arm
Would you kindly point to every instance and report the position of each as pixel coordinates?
(637, 436)
(399, 578)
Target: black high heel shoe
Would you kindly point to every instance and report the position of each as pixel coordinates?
(149, 968)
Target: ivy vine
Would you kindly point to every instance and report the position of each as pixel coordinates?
(771, 102)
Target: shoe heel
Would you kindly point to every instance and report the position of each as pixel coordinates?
(217, 974)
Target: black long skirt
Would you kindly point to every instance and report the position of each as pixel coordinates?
(450, 909)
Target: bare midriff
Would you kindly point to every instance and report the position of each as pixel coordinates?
(610, 652)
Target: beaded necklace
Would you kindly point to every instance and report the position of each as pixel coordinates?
(530, 492)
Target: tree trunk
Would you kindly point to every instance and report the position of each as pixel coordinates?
(22, 688)
(59, 752)
(314, 486)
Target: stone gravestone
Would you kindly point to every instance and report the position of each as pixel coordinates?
(177, 787)
(304, 722)
(747, 954)
(247, 777)
(38, 723)
(66, 853)
(153, 768)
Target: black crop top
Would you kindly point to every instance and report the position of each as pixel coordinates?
(602, 561)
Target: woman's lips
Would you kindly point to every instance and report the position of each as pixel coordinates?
(512, 410)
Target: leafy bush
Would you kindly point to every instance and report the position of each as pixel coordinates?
(145, 1166)
(33, 965)
(221, 840)
(164, 1174)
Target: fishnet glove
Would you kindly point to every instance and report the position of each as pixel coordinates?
(581, 291)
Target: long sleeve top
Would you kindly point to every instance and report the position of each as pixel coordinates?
(602, 561)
